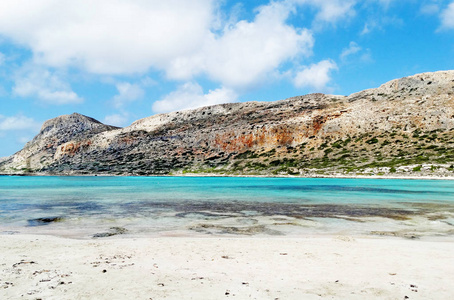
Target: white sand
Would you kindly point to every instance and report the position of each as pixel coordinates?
(46, 267)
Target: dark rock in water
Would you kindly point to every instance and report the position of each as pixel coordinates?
(44, 221)
(113, 231)
(103, 234)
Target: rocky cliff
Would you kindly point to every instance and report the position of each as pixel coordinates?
(405, 126)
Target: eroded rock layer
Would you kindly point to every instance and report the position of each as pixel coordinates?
(404, 126)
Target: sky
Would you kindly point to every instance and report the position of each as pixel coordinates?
(122, 60)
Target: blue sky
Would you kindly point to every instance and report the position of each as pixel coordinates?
(122, 60)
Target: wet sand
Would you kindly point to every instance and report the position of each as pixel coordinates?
(310, 267)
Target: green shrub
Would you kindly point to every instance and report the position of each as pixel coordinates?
(327, 151)
(372, 141)
(337, 145)
(324, 145)
(417, 169)
(432, 147)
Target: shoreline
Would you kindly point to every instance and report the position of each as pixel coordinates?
(312, 263)
(311, 267)
(324, 176)
(404, 177)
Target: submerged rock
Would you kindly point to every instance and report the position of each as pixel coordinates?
(44, 221)
(113, 231)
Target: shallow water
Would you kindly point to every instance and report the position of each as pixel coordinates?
(84, 207)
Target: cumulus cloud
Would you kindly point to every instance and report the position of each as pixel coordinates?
(127, 92)
(46, 86)
(17, 123)
(104, 36)
(190, 95)
(175, 36)
(316, 76)
(447, 17)
(246, 52)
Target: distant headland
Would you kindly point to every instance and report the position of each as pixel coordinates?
(405, 127)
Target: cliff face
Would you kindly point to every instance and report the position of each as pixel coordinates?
(405, 125)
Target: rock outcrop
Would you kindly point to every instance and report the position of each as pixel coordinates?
(72, 131)
(403, 126)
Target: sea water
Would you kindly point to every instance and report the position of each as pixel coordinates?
(96, 207)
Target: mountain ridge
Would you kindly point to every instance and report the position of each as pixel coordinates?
(403, 126)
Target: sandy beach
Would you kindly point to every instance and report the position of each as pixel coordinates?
(317, 267)
(375, 241)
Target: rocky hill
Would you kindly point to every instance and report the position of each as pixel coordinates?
(405, 126)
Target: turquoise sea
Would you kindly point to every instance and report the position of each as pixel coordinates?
(100, 207)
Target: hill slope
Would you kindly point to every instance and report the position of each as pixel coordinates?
(404, 126)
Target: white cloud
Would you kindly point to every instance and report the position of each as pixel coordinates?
(47, 86)
(247, 52)
(331, 11)
(127, 92)
(119, 120)
(353, 48)
(355, 53)
(17, 123)
(107, 36)
(174, 36)
(190, 95)
(447, 17)
(316, 76)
